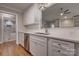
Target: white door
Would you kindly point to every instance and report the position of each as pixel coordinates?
(5, 35)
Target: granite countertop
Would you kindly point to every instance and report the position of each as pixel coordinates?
(58, 37)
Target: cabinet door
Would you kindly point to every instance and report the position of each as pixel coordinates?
(32, 15)
(29, 16)
(33, 47)
(53, 49)
(38, 48)
(77, 49)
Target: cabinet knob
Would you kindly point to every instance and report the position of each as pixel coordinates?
(59, 44)
(59, 50)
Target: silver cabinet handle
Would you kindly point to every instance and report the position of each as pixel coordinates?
(59, 51)
(59, 44)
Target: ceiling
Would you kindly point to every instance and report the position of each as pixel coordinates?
(53, 12)
(16, 6)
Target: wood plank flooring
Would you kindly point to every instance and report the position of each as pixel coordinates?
(11, 49)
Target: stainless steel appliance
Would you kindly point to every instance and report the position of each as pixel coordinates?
(26, 41)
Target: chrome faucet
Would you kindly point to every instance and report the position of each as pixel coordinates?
(46, 30)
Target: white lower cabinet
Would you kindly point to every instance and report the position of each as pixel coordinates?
(77, 49)
(60, 48)
(38, 46)
(41, 46)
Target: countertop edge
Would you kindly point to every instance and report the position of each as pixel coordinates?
(57, 38)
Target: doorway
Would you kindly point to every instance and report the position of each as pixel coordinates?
(7, 27)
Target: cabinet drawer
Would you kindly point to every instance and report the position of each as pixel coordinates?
(63, 44)
(54, 51)
(38, 43)
(34, 37)
(67, 53)
(67, 48)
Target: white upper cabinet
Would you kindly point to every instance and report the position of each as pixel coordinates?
(32, 15)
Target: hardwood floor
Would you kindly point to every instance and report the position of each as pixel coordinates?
(11, 49)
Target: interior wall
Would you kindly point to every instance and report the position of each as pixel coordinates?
(20, 23)
(20, 30)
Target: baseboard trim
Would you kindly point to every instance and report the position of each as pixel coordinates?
(25, 49)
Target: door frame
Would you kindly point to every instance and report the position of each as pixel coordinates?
(2, 11)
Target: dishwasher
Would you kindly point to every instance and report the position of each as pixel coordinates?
(26, 41)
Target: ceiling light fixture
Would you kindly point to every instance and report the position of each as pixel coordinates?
(61, 14)
(64, 11)
(43, 6)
